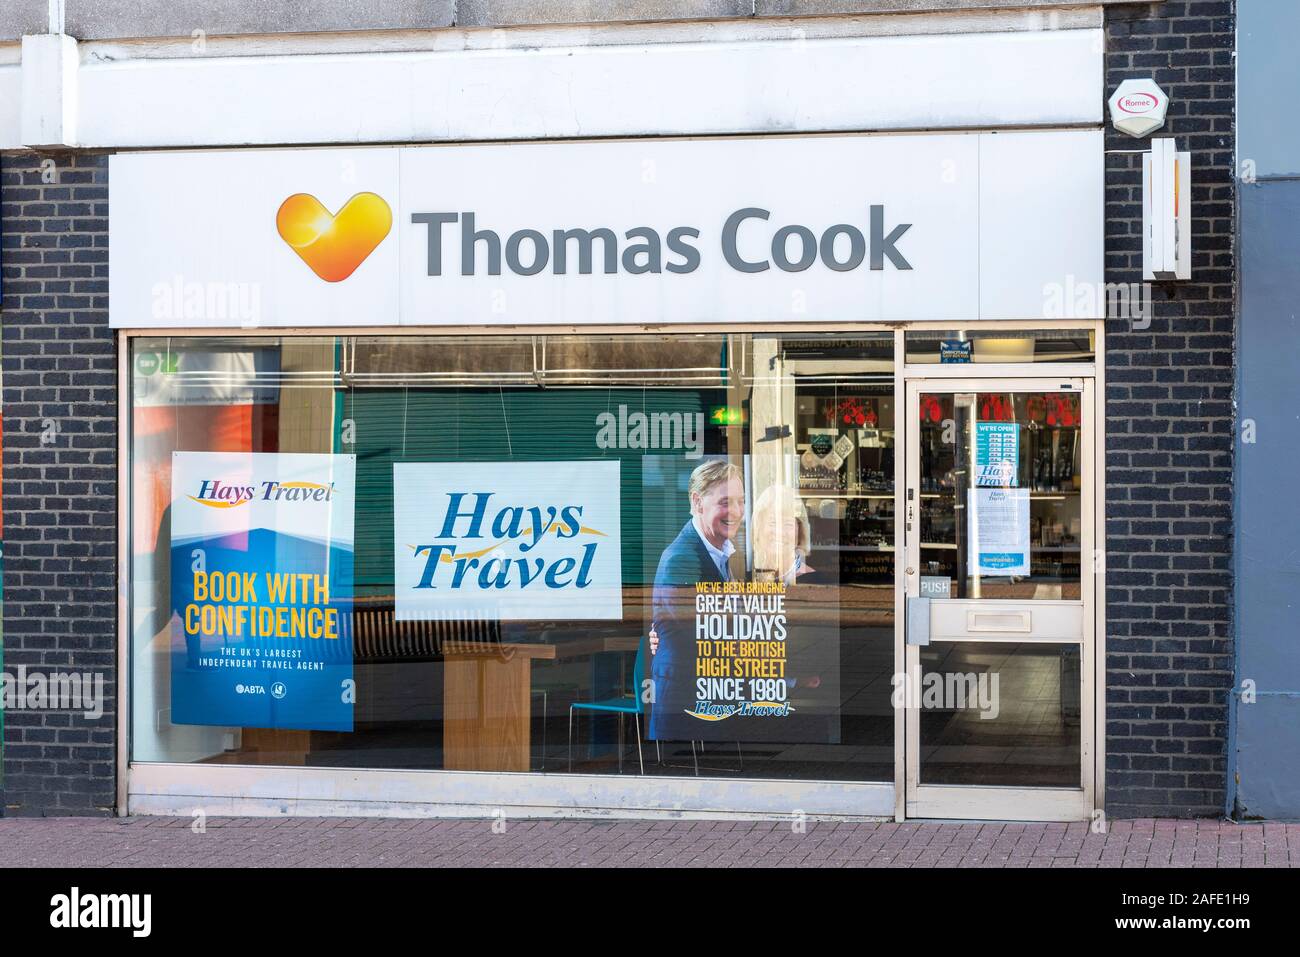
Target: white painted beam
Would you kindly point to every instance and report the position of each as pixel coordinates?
(774, 84)
(11, 105)
(872, 83)
(49, 75)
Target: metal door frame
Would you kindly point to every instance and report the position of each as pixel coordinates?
(918, 800)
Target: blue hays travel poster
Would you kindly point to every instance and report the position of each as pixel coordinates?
(261, 570)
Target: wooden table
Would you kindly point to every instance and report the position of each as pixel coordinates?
(487, 707)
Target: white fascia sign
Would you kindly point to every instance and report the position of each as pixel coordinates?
(943, 227)
(1138, 107)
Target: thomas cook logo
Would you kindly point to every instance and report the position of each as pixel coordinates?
(217, 494)
(333, 244)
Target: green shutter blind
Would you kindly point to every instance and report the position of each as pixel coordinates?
(524, 425)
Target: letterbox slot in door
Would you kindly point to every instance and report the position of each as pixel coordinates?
(993, 620)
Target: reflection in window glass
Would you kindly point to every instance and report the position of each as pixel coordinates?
(1000, 714)
(983, 455)
(600, 552)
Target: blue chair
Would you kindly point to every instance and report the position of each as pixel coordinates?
(625, 705)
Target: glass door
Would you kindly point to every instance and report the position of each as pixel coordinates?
(1000, 532)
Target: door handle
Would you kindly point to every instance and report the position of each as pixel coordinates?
(918, 620)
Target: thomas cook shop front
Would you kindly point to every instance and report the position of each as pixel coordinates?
(744, 475)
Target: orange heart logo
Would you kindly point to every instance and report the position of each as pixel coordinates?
(333, 245)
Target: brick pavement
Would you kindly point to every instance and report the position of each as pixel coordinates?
(346, 842)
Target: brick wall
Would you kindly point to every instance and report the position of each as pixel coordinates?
(1169, 420)
(60, 473)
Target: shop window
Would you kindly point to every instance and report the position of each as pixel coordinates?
(443, 553)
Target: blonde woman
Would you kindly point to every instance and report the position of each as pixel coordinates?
(782, 535)
(782, 540)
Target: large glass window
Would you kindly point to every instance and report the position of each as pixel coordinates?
(603, 553)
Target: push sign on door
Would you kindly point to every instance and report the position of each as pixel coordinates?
(936, 586)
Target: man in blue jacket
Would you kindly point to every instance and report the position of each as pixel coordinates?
(704, 551)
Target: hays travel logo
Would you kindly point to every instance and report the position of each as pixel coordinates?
(514, 541)
(334, 244)
(215, 493)
(518, 557)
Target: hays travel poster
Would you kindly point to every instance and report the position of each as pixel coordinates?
(507, 541)
(261, 570)
(745, 605)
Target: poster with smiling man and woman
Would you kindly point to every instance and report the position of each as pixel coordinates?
(744, 618)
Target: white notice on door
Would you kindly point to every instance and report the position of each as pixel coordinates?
(998, 531)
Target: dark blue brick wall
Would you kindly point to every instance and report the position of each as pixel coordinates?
(60, 473)
(1169, 422)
